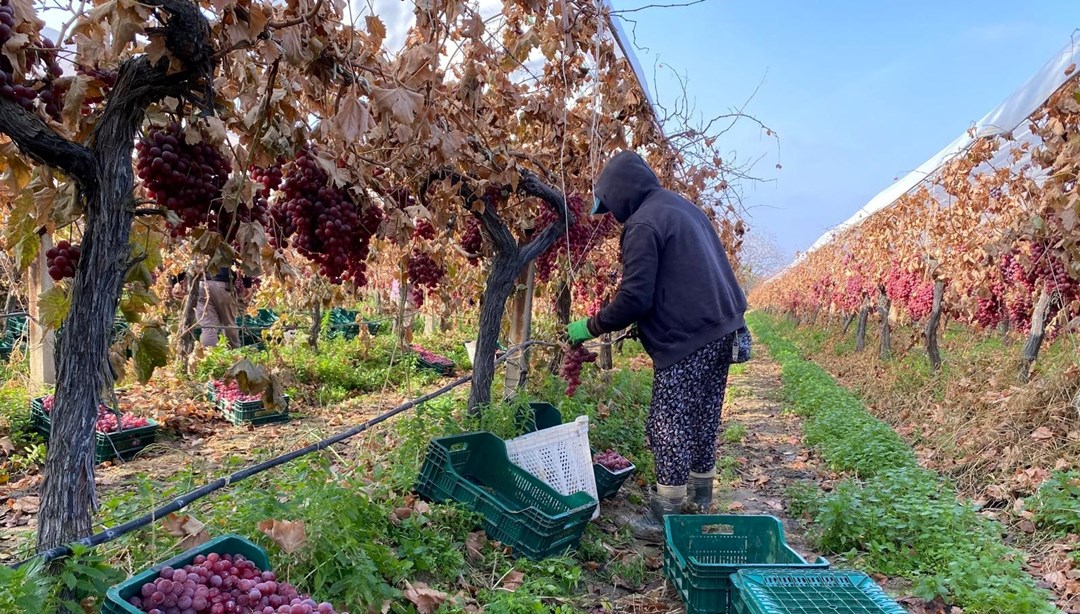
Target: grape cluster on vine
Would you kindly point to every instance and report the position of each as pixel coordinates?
(472, 240)
(324, 222)
(182, 177)
(573, 357)
(583, 236)
(222, 584)
(424, 273)
(62, 260)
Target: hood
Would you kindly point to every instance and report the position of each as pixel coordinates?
(624, 184)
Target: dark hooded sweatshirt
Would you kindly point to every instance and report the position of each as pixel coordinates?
(677, 283)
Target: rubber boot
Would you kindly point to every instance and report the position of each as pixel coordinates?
(699, 491)
(667, 500)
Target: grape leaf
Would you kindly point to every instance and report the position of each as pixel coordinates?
(26, 250)
(289, 534)
(426, 599)
(376, 30)
(151, 351)
(53, 306)
(400, 102)
(249, 377)
(352, 120)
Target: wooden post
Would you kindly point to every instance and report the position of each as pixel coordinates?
(42, 343)
(517, 366)
(431, 323)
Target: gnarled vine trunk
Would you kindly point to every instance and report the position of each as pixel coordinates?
(883, 311)
(103, 173)
(860, 329)
(932, 350)
(1035, 338)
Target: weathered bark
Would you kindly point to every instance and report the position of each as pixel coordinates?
(1035, 338)
(848, 319)
(562, 318)
(883, 311)
(508, 262)
(316, 327)
(931, 332)
(860, 330)
(605, 361)
(103, 173)
(186, 343)
(517, 366)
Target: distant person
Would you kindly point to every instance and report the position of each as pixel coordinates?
(678, 287)
(217, 309)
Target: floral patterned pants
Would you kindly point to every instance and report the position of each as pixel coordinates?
(685, 414)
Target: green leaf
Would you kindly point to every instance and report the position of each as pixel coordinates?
(53, 305)
(135, 301)
(151, 351)
(26, 250)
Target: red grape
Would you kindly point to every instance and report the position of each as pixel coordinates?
(573, 357)
(62, 260)
(612, 460)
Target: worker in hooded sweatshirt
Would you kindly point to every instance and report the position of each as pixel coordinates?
(679, 288)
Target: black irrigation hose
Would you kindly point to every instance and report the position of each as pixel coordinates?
(188, 498)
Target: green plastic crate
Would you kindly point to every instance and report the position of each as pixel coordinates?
(107, 446)
(609, 482)
(810, 592)
(701, 552)
(444, 370)
(519, 509)
(546, 415)
(243, 412)
(116, 598)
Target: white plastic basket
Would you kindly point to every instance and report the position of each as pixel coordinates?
(559, 456)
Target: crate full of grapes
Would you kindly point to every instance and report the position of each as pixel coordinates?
(430, 361)
(611, 470)
(226, 574)
(239, 407)
(122, 437)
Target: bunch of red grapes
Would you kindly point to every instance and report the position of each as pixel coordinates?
(472, 241)
(222, 584)
(326, 226)
(583, 236)
(990, 311)
(62, 260)
(106, 419)
(423, 230)
(432, 357)
(231, 392)
(424, 273)
(612, 460)
(187, 179)
(921, 300)
(899, 285)
(573, 357)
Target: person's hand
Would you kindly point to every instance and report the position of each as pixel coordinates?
(578, 331)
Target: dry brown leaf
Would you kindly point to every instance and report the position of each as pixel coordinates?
(6, 445)
(289, 534)
(474, 545)
(512, 580)
(376, 30)
(735, 506)
(426, 599)
(400, 514)
(28, 505)
(1042, 434)
(400, 102)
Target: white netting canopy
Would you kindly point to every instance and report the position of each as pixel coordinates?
(1010, 115)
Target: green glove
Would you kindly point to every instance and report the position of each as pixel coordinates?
(578, 331)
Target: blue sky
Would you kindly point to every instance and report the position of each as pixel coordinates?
(859, 92)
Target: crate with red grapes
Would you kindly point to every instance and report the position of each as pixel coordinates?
(226, 574)
(430, 361)
(611, 470)
(240, 407)
(114, 437)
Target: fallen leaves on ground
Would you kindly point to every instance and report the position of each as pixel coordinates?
(291, 535)
(425, 598)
